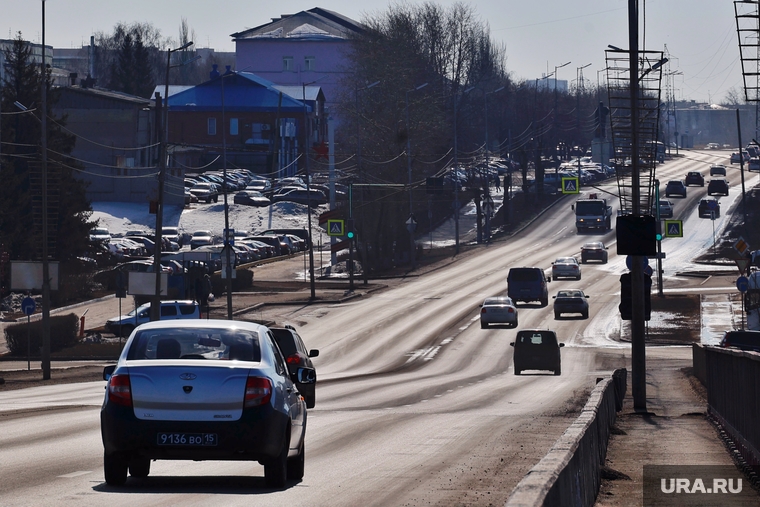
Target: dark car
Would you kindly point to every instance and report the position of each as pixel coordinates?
(301, 196)
(537, 349)
(717, 186)
(694, 178)
(717, 170)
(570, 301)
(742, 339)
(210, 390)
(709, 208)
(297, 356)
(251, 198)
(676, 187)
(527, 284)
(594, 251)
(274, 241)
(301, 233)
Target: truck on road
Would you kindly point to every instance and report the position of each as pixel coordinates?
(592, 213)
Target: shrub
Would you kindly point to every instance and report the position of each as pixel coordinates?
(64, 331)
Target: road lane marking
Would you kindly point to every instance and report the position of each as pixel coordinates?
(75, 474)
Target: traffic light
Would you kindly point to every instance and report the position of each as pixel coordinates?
(636, 235)
(350, 228)
(626, 298)
(658, 231)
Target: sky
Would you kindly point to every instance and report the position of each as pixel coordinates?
(700, 35)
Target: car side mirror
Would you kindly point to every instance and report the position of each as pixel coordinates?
(108, 372)
(306, 376)
(313, 352)
(586, 296)
(512, 344)
(561, 344)
(572, 207)
(554, 297)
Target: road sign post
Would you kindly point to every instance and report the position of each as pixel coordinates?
(742, 283)
(28, 306)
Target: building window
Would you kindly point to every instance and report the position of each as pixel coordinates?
(233, 126)
(287, 64)
(212, 126)
(308, 63)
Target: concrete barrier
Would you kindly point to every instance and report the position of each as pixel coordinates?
(569, 474)
(733, 397)
(699, 361)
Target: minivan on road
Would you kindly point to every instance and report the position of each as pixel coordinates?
(527, 284)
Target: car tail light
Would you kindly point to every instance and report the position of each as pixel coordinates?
(120, 390)
(258, 391)
(483, 310)
(294, 359)
(510, 310)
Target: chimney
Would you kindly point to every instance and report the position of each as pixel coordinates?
(214, 72)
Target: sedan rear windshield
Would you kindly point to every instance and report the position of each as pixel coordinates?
(195, 343)
(537, 338)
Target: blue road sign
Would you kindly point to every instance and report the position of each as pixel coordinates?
(742, 283)
(629, 261)
(570, 185)
(28, 305)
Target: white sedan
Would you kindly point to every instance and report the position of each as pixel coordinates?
(498, 310)
(566, 267)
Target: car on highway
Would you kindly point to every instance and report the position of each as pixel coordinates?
(570, 301)
(736, 158)
(753, 164)
(717, 170)
(537, 349)
(498, 310)
(694, 178)
(708, 208)
(297, 356)
(676, 187)
(666, 209)
(594, 251)
(203, 390)
(744, 339)
(527, 284)
(717, 186)
(566, 267)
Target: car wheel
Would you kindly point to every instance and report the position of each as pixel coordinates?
(216, 199)
(139, 467)
(556, 315)
(515, 323)
(296, 464)
(208, 200)
(558, 371)
(585, 314)
(483, 325)
(517, 371)
(311, 401)
(583, 260)
(115, 469)
(275, 470)
(545, 301)
(578, 277)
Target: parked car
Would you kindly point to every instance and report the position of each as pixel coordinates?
(676, 187)
(566, 267)
(537, 349)
(206, 191)
(694, 178)
(202, 238)
(100, 235)
(742, 339)
(717, 170)
(666, 209)
(301, 233)
(498, 310)
(271, 240)
(297, 356)
(123, 325)
(709, 208)
(302, 196)
(570, 301)
(717, 186)
(251, 198)
(527, 284)
(203, 390)
(594, 250)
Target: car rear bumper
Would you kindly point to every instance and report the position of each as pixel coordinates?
(257, 436)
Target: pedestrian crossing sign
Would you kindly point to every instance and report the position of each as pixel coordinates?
(570, 185)
(674, 228)
(336, 227)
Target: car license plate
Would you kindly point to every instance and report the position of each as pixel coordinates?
(188, 439)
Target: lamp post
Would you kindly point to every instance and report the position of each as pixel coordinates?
(45, 261)
(409, 171)
(456, 173)
(155, 306)
(488, 201)
(350, 188)
(308, 186)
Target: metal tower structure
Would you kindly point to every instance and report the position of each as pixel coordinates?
(647, 130)
(748, 30)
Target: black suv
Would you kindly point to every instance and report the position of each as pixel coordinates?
(675, 187)
(706, 206)
(694, 178)
(743, 339)
(537, 349)
(717, 186)
(292, 347)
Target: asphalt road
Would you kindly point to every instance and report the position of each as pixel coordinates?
(416, 404)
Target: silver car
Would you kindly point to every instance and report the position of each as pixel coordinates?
(566, 267)
(208, 390)
(498, 310)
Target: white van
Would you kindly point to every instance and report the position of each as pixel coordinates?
(125, 324)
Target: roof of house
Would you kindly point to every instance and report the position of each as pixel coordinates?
(243, 91)
(314, 24)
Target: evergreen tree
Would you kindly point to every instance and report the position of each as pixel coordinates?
(20, 167)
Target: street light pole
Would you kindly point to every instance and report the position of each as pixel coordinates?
(155, 305)
(312, 283)
(488, 202)
(45, 261)
(456, 173)
(409, 171)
